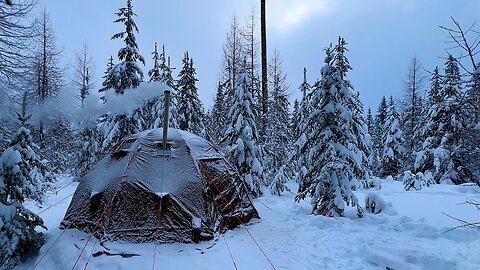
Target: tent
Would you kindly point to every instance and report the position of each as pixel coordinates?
(141, 193)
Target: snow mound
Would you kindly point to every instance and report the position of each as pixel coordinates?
(375, 204)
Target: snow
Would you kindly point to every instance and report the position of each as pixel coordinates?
(292, 238)
(11, 157)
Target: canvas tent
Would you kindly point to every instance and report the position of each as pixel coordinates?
(141, 193)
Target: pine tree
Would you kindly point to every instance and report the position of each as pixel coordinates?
(393, 151)
(109, 79)
(473, 98)
(126, 74)
(331, 144)
(377, 134)
(442, 149)
(370, 121)
(190, 108)
(434, 94)
(218, 115)
(153, 111)
(363, 144)
(300, 159)
(294, 120)
(20, 177)
(241, 137)
(154, 73)
(89, 150)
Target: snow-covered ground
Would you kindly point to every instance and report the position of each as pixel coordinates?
(411, 236)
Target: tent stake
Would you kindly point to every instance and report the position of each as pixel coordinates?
(165, 121)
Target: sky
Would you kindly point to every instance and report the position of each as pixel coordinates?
(382, 35)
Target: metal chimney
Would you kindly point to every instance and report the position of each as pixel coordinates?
(165, 117)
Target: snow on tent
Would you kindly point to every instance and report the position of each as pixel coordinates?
(141, 193)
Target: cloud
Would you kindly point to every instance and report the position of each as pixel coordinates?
(284, 15)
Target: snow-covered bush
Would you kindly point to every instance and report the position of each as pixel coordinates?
(376, 205)
(278, 184)
(17, 232)
(375, 183)
(417, 181)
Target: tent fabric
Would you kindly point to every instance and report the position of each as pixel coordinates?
(141, 193)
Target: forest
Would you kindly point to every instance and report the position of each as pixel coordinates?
(324, 158)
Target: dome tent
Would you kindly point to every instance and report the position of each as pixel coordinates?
(141, 193)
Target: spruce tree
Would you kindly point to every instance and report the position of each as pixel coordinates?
(126, 74)
(332, 143)
(294, 120)
(153, 111)
(393, 150)
(442, 149)
(241, 137)
(377, 134)
(20, 177)
(218, 115)
(89, 150)
(109, 79)
(154, 73)
(300, 160)
(190, 109)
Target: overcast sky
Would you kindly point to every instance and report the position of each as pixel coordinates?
(383, 35)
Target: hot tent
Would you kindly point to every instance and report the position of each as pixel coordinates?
(141, 193)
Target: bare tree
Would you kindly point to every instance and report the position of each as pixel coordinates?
(251, 52)
(232, 60)
(83, 76)
(411, 105)
(15, 35)
(48, 74)
(467, 41)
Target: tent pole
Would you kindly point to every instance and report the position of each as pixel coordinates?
(165, 117)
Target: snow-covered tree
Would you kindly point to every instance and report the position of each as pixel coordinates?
(393, 141)
(218, 116)
(411, 107)
(89, 151)
(21, 176)
(108, 78)
(190, 109)
(21, 166)
(331, 144)
(153, 111)
(299, 161)
(294, 119)
(363, 145)
(377, 133)
(370, 122)
(126, 74)
(442, 146)
(154, 73)
(241, 137)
